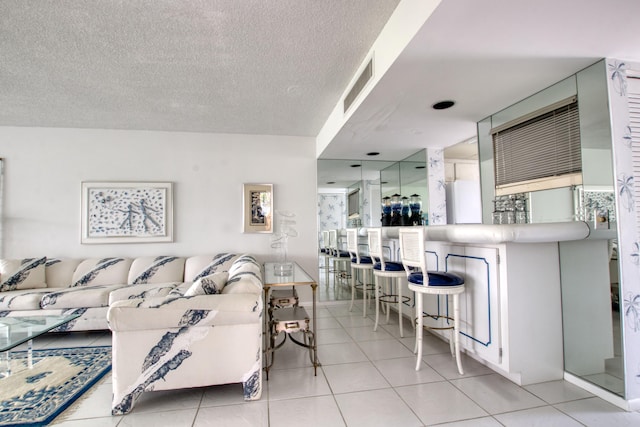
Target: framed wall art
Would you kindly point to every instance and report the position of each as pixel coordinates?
(258, 208)
(127, 212)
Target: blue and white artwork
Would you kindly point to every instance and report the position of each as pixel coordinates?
(121, 211)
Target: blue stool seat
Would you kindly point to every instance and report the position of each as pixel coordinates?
(343, 254)
(389, 266)
(436, 278)
(363, 260)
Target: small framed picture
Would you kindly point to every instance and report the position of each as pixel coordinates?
(127, 212)
(258, 208)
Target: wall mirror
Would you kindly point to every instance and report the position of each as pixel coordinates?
(589, 268)
(372, 180)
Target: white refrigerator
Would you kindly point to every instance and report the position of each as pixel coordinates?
(463, 202)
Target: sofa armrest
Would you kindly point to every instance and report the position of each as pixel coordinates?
(177, 312)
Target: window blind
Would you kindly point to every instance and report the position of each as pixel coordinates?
(547, 145)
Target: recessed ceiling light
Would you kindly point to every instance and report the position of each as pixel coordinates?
(356, 165)
(373, 153)
(443, 105)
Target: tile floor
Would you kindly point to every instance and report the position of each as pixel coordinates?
(366, 379)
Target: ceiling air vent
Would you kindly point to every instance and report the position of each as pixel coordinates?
(360, 83)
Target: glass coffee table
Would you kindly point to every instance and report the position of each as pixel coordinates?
(18, 330)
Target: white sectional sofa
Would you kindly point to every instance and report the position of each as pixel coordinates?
(176, 322)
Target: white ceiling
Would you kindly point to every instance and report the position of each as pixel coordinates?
(223, 66)
(266, 67)
(485, 55)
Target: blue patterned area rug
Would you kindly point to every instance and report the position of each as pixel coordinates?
(34, 397)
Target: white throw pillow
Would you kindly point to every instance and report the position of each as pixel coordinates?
(28, 273)
(208, 285)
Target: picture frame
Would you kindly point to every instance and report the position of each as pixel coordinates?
(127, 212)
(258, 208)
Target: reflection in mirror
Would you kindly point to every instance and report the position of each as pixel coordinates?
(371, 179)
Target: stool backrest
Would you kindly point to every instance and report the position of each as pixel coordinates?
(374, 237)
(352, 244)
(333, 242)
(412, 251)
(325, 241)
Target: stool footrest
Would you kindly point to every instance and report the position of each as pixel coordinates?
(393, 298)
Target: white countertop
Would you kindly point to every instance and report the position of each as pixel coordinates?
(495, 233)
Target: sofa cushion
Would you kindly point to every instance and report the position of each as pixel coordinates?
(79, 297)
(204, 265)
(101, 271)
(59, 271)
(22, 299)
(208, 285)
(161, 269)
(25, 273)
(245, 276)
(142, 291)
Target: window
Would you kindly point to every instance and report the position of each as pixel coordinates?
(540, 150)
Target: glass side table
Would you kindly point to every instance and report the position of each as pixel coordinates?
(285, 315)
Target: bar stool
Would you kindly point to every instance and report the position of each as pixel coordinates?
(412, 253)
(325, 254)
(391, 272)
(341, 259)
(363, 264)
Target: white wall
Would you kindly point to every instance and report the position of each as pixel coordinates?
(44, 168)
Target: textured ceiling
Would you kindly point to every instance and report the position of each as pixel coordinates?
(225, 66)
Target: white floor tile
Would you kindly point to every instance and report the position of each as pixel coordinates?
(168, 400)
(251, 414)
(402, 371)
(558, 391)
(291, 355)
(352, 377)
(475, 422)
(495, 394)
(546, 416)
(384, 349)
(376, 408)
(393, 328)
(354, 321)
(595, 412)
(430, 345)
(332, 354)
(445, 365)
(439, 402)
(95, 403)
(373, 381)
(366, 333)
(327, 323)
(296, 383)
(333, 336)
(93, 422)
(226, 394)
(180, 418)
(321, 411)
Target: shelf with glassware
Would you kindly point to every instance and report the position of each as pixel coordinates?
(285, 316)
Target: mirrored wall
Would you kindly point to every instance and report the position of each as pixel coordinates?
(589, 268)
(367, 181)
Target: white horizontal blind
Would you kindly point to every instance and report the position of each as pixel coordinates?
(633, 86)
(545, 146)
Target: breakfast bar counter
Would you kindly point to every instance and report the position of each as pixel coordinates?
(511, 313)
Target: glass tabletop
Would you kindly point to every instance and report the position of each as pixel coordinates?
(17, 330)
(297, 276)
